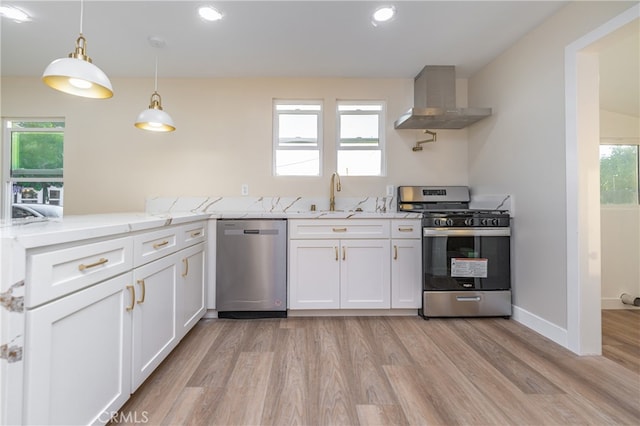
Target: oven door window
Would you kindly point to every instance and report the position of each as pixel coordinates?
(466, 262)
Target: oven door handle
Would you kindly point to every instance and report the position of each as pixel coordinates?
(466, 232)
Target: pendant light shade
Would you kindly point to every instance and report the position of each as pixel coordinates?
(154, 118)
(77, 75)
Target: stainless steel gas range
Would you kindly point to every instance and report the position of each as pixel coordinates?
(466, 264)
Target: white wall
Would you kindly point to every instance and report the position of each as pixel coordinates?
(620, 225)
(521, 151)
(223, 139)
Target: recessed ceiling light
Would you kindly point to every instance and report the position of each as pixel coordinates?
(14, 13)
(383, 14)
(208, 13)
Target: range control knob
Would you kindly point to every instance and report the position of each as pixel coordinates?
(483, 222)
(449, 222)
(495, 222)
(468, 221)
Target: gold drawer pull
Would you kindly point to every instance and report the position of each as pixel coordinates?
(336, 249)
(186, 266)
(102, 261)
(395, 252)
(344, 253)
(401, 229)
(339, 229)
(132, 292)
(162, 244)
(141, 283)
(195, 234)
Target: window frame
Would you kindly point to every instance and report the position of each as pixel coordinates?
(276, 145)
(6, 157)
(381, 113)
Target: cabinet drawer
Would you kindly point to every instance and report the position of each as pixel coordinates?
(406, 228)
(153, 245)
(352, 228)
(55, 273)
(193, 233)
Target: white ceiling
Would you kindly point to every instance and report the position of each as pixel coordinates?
(269, 38)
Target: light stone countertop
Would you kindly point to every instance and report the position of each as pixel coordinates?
(37, 233)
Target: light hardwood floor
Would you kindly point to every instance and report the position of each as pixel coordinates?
(382, 371)
(621, 337)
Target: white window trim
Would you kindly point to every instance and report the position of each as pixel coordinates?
(276, 125)
(381, 131)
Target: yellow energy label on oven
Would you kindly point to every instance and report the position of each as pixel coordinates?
(469, 268)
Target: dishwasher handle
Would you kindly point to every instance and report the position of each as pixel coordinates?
(251, 232)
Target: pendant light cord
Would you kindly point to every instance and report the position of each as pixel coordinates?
(155, 87)
(81, 14)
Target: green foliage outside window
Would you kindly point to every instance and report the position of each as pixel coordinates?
(619, 174)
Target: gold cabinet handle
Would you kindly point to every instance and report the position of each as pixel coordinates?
(162, 244)
(132, 292)
(144, 291)
(195, 234)
(395, 252)
(401, 229)
(340, 229)
(344, 253)
(186, 266)
(336, 249)
(102, 261)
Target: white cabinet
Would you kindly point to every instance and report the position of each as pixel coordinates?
(314, 274)
(191, 288)
(339, 264)
(100, 317)
(77, 368)
(154, 315)
(406, 264)
(364, 274)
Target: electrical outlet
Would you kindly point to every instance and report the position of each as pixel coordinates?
(390, 190)
(244, 190)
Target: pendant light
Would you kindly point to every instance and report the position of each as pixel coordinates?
(77, 75)
(155, 119)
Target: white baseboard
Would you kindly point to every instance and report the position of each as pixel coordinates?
(615, 303)
(541, 326)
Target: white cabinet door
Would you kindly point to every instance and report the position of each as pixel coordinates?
(314, 274)
(154, 315)
(191, 288)
(406, 273)
(365, 274)
(77, 355)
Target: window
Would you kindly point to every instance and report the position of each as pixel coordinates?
(360, 138)
(619, 174)
(33, 168)
(297, 138)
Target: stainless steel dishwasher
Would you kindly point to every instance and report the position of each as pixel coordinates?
(251, 268)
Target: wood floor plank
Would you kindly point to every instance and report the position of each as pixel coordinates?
(372, 386)
(246, 390)
(184, 405)
(621, 337)
(288, 398)
(333, 375)
(380, 415)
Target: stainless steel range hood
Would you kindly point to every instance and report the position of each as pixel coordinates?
(434, 97)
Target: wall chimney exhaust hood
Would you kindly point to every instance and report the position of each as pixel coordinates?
(434, 100)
